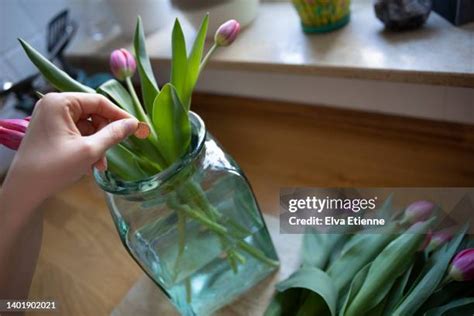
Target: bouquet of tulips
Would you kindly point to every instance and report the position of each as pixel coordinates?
(166, 112)
(402, 269)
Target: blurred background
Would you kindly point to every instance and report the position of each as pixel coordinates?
(317, 93)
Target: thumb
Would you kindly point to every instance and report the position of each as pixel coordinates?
(113, 133)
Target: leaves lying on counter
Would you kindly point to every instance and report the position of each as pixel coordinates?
(431, 275)
(312, 285)
(462, 306)
(386, 268)
(317, 248)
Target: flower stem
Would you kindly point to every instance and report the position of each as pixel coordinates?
(207, 57)
(139, 109)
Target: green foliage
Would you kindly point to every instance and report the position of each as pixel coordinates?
(179, 60)
(149, 87)
(172, 124)
(194, 62)
(362, 250)
(166, 111)
(124, 163)
(462, 306)
(116, 92)
(320, 298)
(431, 275)
(185, 70)
(386, 268)
(58, 78)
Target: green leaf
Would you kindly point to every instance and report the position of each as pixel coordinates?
(431, 275)
(397, 291)
(359, 251)
(149, 86)
(115, 91)
(446, 294)
(284, 303)
(324, 295)
(194, 62)
(317, 248)
(462, 306)
(172, 124)
(179, 61)
(354, 288)
(124, 163)
(55, 76)
(392, 262)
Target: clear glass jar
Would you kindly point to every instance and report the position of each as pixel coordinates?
(195, 228)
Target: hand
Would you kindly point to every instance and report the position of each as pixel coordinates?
(69, 133)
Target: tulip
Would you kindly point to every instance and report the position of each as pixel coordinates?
(10, 138)
(19, 125)
(462, 266)
(418, 211)
(227, 33)
(441, 237)
(122, 64)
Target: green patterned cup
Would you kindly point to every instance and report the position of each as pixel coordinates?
(320, 16)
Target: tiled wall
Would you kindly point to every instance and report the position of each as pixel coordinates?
(27, 19)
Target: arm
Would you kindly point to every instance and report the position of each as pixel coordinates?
(68, 134)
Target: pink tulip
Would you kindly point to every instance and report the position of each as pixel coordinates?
(441, 237)
(462, 266)
(19, 125)
(227, 33)
(418, 211)
(122, 64)
(10, 138)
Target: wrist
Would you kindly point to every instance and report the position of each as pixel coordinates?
(21, 189)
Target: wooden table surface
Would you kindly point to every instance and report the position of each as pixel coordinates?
(84, 266)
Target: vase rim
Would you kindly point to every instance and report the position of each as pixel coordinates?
(112, 184)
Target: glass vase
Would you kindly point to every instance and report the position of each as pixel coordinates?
(195, 228)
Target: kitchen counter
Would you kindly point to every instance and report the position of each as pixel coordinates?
(439, 53)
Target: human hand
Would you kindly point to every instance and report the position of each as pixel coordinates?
(69, 133)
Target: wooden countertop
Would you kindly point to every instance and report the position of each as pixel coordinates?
(86, 269)
(439, 53)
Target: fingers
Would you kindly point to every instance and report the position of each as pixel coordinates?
(112, 134)
(101, 164)
(83, 105)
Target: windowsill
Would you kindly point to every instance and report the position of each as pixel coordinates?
(438, 53)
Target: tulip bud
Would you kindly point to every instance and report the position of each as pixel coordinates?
(418, 211)
(122, 64)
(441, 237)
(227, 33)
(462, 266)
(10, 138)
(19, 125)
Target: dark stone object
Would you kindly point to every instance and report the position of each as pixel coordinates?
(402, 14)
